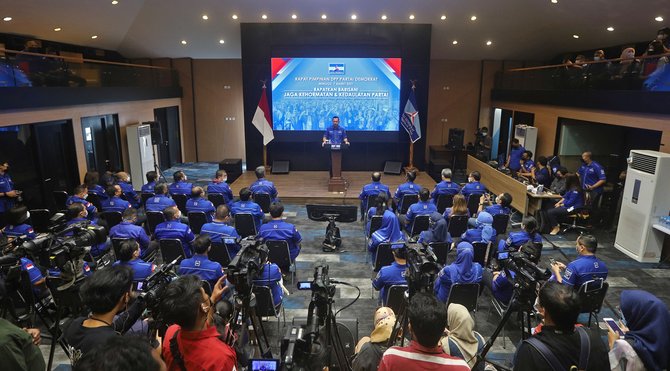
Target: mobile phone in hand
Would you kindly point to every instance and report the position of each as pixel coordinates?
(614, 326)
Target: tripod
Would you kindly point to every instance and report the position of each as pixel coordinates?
(245, 310)
(333, 342)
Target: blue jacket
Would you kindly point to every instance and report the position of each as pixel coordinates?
(335, 136)
(34, 273)
(591, 174)
(573, 198)
(497, 209)
(159, 203)
(201, 266)
(582, 269)
(178, 230)
(181, 187)
(127, 230)
(407, 188)
(98, 191)
(141, 269)
(89, 206)
(517, 239)
(270, 276)
(130, 193)
(420, 208)
(374, 189)
(250, 207)
(463, 270)
(221, 188)
(282, 231)
(201, 204)
(115, 204)
(6, 185)
(444, 188)
(474, 188)
(264, 186)
(149, 187)
(218, 232)
(19, 230)
(388, 276)
(515, 158)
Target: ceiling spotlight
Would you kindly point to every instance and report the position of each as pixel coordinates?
(473, 18)
(384, 17)
(354, 17)
(57, 29)
(575, 36)
(488, 43)
(234, 16)
(554, 1)
(455, 42)
(323, 16)
(7, 19)
(205, 17)
(222, 41)
(114, 2)
(659, 19)
(94, 37)
(610, 28)
(411, 16)
(294, 16)
(183, 42)
(264, 16)
(443, 17)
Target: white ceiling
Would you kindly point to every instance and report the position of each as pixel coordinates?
(519, 29)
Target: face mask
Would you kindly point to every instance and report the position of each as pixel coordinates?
(85, 196)
(128, 180)
(27, 214)
(596, 58)
(471, 179)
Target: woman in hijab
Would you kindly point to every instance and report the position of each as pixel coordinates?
(389, 230)
(437, 232)
(462, 340)
(484, 231)
(647, 334)
(370, 349)
(463, 270)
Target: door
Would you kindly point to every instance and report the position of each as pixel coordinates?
(167, 127)
(101, 143)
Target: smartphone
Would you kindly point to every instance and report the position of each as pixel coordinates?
(552, 261)
(614, 326)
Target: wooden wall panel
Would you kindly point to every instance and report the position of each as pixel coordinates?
(187, 119)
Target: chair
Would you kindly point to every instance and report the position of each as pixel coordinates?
(582, 214)
(421, 223)
(279, 253)
(144, 197)
(407, 201)
(265, 305)
(171, 249)
(245, 225)
(180, 200)
(219, 253)
(196, 219)
(154, 218)
(443, 202)
(395, 298)
(112, 218)
(384, 256)
(458, 224)
(592, 301)
(370, 203)
(500, 222)
(116, 244)
(533, 250)
(61, 198)
(95, 200)
(465, 294)
(263, 200)
(441, 250)
(473, 203)
(375, 224)
(481, 252)
(217, 199)
(39, 219)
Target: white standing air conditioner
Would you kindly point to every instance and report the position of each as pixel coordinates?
(646, 198)
(140, 153)
(527, 136)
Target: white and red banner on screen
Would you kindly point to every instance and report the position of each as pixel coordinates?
(262, 119)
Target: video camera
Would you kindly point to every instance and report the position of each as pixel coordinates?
(422, 268)
(152, 287)
(527, 274)
(247, 264)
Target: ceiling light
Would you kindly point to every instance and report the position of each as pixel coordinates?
(57, 29)
(488, 43)
(411, 16)
(610, 28)
(659, 19)
(323, 16)
(222, 41)
(183, 42)
(575, 36)
(554, 1)
(384, 17)
(205, 17)
(7, 19)
(94, 37)
(473, 18)
(455, 42)
(354, 16)
(264, 16)
(234, 16)
(294, 16)
(443, 17)
(114, 2)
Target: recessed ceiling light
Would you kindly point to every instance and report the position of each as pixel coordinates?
(554, 1)
(323, 16)
(659, 19)
(57, 29)
(222, 41)
(205, 17)
(575, 36)
(234, 16)
(488, 43)
(264, 16)
(455, 42)
(411, 16)
(7, 19)
(473, 18)
(183, 42)
(294, 16)
(354, 17)
(384, 17)
(443, 17)
(94, 37)
(114, 2)
(610, 28)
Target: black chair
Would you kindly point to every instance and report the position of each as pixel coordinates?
(371, 201)
(500, 222)
(441, 250)
(265, 306)
(219, 253)
(395, 298)
(279, 253)
(217, 199)
(473, 203)
(407, 201)
(245, 225)
(112, 218)
(154, 218)
(421, 223)
(458, 224)
(481, 252)
(171, 249)
(465, 294)
(144, 197)
(116, 244)
(592, 301)
(39, 219)
(196, 219)
(443, 202)
(61, 198)
(375, 224)
(263, 200)
(95, 200)
(384, 256)
(180, 200)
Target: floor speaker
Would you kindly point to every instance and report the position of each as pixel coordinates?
(279, 167)
(456, 138)
(233, 167)
(392, 167)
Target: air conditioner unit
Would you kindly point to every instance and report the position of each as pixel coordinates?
(645, 200)
(527, 136)
(140, 153)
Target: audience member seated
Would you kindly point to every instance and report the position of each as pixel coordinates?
(77, 214)
(585, 268)
(198, 202)
(180, 185)
(106, 293)
(427, 321)
(114, 202)
(423, 207)
(445, 187)
(437, 232)
(462, 341)
(271, 276)
(407, 188)
(79, 197)
(483, 232)
(372, 189)
(540, 173)
(529, 232)
(92, 183)
(572, 200)
(527, 164)
(474, 187)
(646, 342)
(370, 349)
(279, 230)
(246, 205)
(16, 218)
(503, 204)
(262, 185)
(389, 232)
(122, 353)
(383, 200)
(559, 306)
(192, 342)
(152, 176)
(501, 287)
(127, 229)
(558, 184)
(199, 264)
(514, 158)
(219, 185)
(459, 207)
(463, 270)
(219, 229)
(161, 200)
(393, 274)
(172, 227)
(123, 180)
(129, 256)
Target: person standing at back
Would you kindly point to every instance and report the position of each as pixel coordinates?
(514, 158)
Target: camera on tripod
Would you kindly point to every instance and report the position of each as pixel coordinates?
(422, 268)
(527, 272)
(247, 264)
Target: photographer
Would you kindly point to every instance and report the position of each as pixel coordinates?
(106, 293)
(122, 353)
(584, 268)
(193, 342)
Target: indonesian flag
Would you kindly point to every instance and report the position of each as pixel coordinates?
(262, 120)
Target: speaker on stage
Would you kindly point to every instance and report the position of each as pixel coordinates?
(279, 167)
(156, 134)
(456, 137)
(233, 167)
(392, 167)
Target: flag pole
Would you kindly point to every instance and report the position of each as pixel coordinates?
(265, 147)
(411, 167)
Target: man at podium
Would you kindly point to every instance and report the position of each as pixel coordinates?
(335, 134)
(336, 138)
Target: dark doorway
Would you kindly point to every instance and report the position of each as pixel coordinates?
(169, 150)
(102, 143)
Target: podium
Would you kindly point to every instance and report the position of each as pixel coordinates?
(336, 183)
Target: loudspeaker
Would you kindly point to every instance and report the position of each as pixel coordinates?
(347, 329)
(279, 167)
(233, 167)
(156, 133)
(392, 167)
(456, 137)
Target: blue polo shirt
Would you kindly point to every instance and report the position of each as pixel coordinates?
(249, 207)
(445, 188)
(6, 185)
(388, 276)
(373, 188)
(89, 206)
(407, 188)
(115, 204)
(264, 186)
(98, 191)
(515, 158)
(270, 276)
(19, 230)
(420, 208)
(517, 239)
(200, 204)
(475, 188)
(149, 187)
(528, 165)
(141, 269)
(201, 266)
(590, 174)
(335, 136)
(127, 230)
(573, 199)
(130, 193)
(159, 203)
(178, 230)
(221, 188)
(181, 187)
(582, 269)
(282, 231)
(497, 209)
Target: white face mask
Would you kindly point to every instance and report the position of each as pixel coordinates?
(27, 214)
(128, 180)
(85, 196)
(596, 58)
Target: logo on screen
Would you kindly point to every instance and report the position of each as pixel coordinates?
(336, 68)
